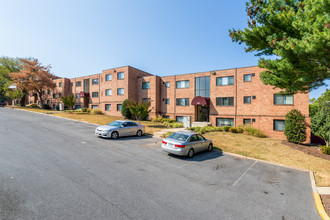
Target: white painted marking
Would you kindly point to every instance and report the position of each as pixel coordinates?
(239, 178)
(83, 142)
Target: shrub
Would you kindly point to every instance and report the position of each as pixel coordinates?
(240, 129)
(218, 128)
(226, 128)
(139, 110)
(157, 119)
(233, 130)
(125, 112)
(176, 125)
(85, 110)
(165, 120)
(325, 150)
(202, 130)
(295, 126)
(46, 106)
(32, 106)
(249, 130)
(96, 111)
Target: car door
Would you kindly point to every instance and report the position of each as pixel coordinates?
(194, 143)
(202, 142)
(132, 128)
(124, 129)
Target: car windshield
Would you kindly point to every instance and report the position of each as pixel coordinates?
(115, 123)
(179, 136)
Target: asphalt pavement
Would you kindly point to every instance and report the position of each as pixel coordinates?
(53, 168)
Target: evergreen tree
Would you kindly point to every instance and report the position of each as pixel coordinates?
(298, 33)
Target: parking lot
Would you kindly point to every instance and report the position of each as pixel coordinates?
(53, 168)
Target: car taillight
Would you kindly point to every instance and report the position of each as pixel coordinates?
(164, 142)
(179, 145)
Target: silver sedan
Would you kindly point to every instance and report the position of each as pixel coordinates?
(120, 128)
(186, 143)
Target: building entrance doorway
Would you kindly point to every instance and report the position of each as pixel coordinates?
(202, 113)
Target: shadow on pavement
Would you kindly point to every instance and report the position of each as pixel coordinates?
(146, 136)
(203, 156)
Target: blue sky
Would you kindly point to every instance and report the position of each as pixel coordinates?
(79, 37)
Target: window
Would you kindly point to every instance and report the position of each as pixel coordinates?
(54, 106)
(279, 125)
(132, 124)
(202, 86)
(108, 92)
(225, 101)
(166, 116)
(95, 94)
(179, 119)
(78, 84)
(60, 95)
(108, 107)
(146, 100)
(247, 78)
(108, 77)
(225, 122)
(95, 81)
(167, 101)
(95, 106)
(167, 85)
(78, 106)
(77, 96)
(224, 81)
(60, 84)
(120, 75)
(182, 84)
(48, 92)
(182, 102)
(120, 91)
(54, 96)
(48, 102)
(118, 107)
(247, 99)
(283, 99)
(146, 85)
(43, 92)
(246, 121)
(193, 138)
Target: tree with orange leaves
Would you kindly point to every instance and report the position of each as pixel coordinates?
(33, 77)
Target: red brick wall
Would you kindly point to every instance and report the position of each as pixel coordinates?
(262, 108)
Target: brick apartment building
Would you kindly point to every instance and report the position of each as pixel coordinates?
(222, 97)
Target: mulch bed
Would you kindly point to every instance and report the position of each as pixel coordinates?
(312, 150)
(326, 203)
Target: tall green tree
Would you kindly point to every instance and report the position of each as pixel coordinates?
(68, 101)
(320, 116)
(298, 33)
(7, 65)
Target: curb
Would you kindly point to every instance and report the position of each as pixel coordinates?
(317, 199)
(318, 202)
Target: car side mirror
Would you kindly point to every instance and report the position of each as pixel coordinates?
(121, 126)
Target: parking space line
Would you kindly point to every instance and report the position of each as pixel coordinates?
(239, 178)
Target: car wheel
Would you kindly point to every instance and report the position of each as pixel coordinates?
(190, 153)
(139, 133)
(210, 148)
(114, 135)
